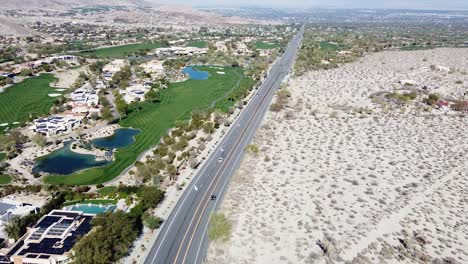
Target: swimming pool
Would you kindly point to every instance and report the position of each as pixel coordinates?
(92, 208)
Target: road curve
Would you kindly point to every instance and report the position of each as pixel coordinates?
(182, 238)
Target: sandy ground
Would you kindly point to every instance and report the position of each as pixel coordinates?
(67, 77)
(378, 188)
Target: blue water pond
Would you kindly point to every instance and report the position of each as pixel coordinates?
(196, 74)
(65, 161)
(121, 138)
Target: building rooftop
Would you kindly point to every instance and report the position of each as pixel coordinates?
(53, 236)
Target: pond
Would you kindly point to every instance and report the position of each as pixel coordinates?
(65, 161)
(195, 74)
(92, 208)
(122, 137)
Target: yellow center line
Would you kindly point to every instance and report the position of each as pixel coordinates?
(209, 189)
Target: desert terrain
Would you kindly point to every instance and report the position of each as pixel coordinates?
(333, 185)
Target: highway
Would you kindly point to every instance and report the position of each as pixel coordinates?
(183, 236)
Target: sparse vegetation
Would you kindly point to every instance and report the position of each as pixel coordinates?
(220, 227)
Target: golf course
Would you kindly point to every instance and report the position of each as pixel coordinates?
(265, 45)
(25, 99)
(121, 51)
(155, 119)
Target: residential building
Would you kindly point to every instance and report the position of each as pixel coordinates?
(9, 209)
(49, 241)
(154, 67)
(135, 93)
(220, 46)
(56, 125)
(181, 51)
(84, 100)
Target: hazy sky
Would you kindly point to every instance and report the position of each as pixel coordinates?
(413, 4)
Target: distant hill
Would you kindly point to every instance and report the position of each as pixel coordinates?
(68, 4)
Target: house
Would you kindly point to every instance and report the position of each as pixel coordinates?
(135, 93)
(112, 68)
(154, 67)
(50, 240)
(56, 125)
(180, 51)
(84, 100)
(7, 74)
(242, 49)
(67, 58)
(9, 209)
(220, 45)
(100, 85)
(85, 95)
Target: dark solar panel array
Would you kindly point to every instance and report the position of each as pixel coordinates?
(48, 221)
(5, 260)
(54, 246)
(15, 248)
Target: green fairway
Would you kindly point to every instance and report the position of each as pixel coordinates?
(5, 179)
(25, 99)
(121, 51)
(154, 119)
(264, 45)
(197, 44)
(325, 45)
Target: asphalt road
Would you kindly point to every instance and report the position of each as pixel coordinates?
(183, 236)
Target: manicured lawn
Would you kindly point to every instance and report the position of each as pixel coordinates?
(27, 98)
(265, 45)
(5, 179)
(120, 51)
(324, 45)
(154, 119)
(197, 44)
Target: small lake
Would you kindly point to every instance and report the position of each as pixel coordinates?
(195, 74)
(121, 138)
(65, 161)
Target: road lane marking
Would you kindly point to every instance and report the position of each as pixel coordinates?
(254, 116)
(211, 183)
(226, 180)
(230, 132)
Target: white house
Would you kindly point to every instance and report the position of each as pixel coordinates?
(181, 51)
(56, 125)
(154, 67)
(135, 93)
(9, 209)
